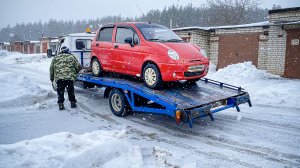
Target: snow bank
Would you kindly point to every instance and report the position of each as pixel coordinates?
(19, 58)
(95, 149)
(4, 53)
(264, 88)
(18, 90)
(18, 86)
(241, 74)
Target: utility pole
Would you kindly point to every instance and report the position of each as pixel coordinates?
(171, 23)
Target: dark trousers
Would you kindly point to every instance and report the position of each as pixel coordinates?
(61, 85)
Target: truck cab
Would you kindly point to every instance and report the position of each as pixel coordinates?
(79, 45)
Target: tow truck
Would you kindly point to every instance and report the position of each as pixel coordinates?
(182, 101)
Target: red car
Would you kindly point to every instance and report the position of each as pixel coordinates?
(149, 51)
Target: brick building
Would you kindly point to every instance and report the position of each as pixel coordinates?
(6, 46)
(47, 43)
(272, 45)
(16, 46)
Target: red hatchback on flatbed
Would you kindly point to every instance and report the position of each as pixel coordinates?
(150, 51)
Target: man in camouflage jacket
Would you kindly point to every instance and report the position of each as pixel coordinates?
(63, 69)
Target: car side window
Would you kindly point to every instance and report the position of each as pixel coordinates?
(123, 33)
(105, 34)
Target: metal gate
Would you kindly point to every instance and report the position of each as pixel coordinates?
(237, 48)
(292, 57)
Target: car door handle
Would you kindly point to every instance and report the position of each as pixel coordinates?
(116, 46)
(97, 44)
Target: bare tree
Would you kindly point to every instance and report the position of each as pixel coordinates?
(230, 12)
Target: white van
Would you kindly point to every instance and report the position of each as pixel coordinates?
(79, 45)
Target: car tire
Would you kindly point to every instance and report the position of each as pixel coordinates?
(152, 76)
(118, 103)
(96, 67)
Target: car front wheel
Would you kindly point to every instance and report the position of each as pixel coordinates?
(151, 76)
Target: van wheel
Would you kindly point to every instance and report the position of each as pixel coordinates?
(151, 76)
(96, 67)
(118, 103)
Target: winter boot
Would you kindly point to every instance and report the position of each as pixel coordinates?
(61, 106)
(73, 105)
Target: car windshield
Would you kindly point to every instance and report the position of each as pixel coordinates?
(153, 32)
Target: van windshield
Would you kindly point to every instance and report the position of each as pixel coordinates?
(153, 32)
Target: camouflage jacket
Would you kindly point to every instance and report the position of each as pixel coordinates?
(64, 66)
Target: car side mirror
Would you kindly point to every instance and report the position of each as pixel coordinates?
(128, 40)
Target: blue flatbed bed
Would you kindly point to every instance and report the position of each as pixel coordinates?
(186, 102)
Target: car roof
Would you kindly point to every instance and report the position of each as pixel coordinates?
(124, 23)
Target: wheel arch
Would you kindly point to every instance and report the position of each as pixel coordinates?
(146, 63)
(95, 57)
(106, 92)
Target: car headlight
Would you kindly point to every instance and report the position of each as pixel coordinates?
(173, 54)
(203, 52)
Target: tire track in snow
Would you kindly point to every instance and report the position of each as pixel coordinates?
(203, 137)
(163, 130)
(292, 130)
(189, 147)
(165, 126)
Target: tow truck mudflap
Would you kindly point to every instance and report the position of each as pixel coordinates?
(207, 110)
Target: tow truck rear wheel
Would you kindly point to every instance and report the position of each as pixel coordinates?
(118, 103)
(96, 67)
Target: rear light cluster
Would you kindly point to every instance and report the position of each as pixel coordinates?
(178, 116)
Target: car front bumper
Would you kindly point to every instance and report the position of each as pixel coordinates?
(176, 72)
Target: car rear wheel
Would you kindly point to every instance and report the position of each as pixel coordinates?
(118, 103)
(151, 76)
(96, 67)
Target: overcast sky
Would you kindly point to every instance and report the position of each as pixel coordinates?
(18, 11)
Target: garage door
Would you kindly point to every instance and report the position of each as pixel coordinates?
(237, 48)
(292, 57)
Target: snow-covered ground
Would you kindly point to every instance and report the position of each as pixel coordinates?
(33, 133)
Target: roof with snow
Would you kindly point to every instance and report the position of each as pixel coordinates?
(54, 41)
(35, 41)
(81, 34)
(258, 24)
(284, 10)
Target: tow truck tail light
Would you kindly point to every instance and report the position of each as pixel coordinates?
(178, 116)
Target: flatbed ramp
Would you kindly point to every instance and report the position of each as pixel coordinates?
(185, 102)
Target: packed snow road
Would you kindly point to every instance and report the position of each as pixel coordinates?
(33, 132)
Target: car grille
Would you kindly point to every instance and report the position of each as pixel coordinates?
(197, 68)
(191, 74)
